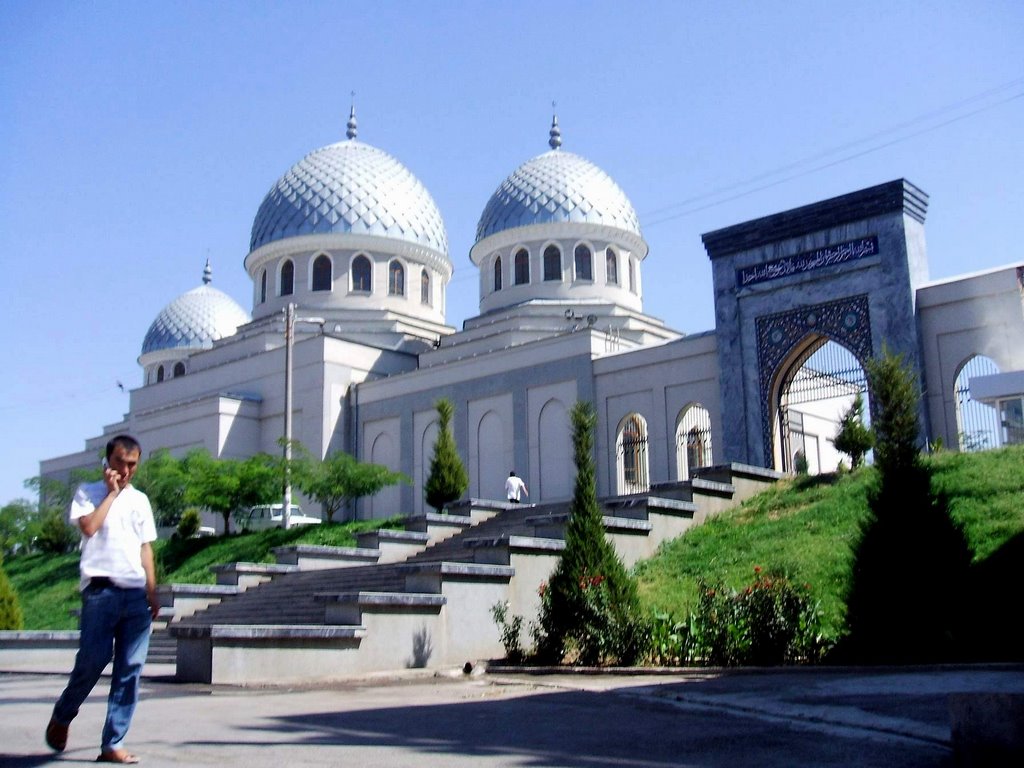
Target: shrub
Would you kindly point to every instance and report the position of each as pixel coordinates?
(188, 525)
(768, 623)
(10, 610)
(511, 632)
(852, 437)
(55, 535)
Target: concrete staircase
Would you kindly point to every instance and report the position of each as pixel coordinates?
(415, 598)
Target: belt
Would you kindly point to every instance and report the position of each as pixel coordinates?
(100, 582)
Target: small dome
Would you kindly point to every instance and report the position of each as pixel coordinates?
(350, 187)
(557, 186)
(195, 319)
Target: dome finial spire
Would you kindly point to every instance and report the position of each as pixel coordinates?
(352, 126)
(555, 134)
(207, 272)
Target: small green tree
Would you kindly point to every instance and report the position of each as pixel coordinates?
(16, 526)
(10, 610)
(162, 478)
(340, 479)
(448, 479)
(54, 535)
(852, 437)
(188, 525)
(227, 486)
(590, 607)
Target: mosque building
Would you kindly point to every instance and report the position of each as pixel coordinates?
(357, 245)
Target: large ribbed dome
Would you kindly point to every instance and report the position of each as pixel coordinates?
(554, 187)
(350, 187)
(195, 320)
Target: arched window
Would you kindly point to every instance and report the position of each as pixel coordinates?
(287, 278)
(263, 286)
(497, 273)
(977, 423)
(159, 373)
(632, 276)
(396, 278)
(179, 369)
(584, 263)
(361, 274)
(611, 267)
(552, 263)
(693, 441)
(322, 273)
(631, 451)
(522, 265)
(424, 286)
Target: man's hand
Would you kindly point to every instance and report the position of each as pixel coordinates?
(112, 479)
(154, 603)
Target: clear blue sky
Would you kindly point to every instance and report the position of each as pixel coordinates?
(138, 139)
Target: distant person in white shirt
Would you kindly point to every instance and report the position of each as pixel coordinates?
(514, 487)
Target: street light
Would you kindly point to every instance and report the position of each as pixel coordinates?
(289, 341)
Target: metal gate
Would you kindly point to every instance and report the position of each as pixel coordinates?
(977, 424)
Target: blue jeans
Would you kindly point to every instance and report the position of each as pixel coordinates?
(115, 624)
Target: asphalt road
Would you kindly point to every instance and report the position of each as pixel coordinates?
(891, 718)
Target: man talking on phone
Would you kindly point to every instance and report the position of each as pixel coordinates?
(119, 599)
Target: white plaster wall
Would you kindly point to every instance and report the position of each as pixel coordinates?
(550, 441)
(491, 432)
(382, 439)
(980, 314)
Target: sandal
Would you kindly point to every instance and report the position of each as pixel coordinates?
(117, 756)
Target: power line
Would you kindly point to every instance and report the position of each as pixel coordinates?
(830, 152)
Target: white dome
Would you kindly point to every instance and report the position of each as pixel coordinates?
(350, 187)
(195, 320)
(557, 186)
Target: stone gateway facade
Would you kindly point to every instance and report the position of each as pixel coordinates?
(351, 238)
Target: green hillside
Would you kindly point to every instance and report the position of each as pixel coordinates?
(804, 527)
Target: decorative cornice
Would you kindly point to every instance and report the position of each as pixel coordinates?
(892, 197)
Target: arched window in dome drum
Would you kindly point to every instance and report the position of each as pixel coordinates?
(263, 287)
(611, 267)
(159, 373)
(584, 263)
(522, 266)
(322, 273)
(424, 286)
(552, 263)
(288, 278)
(361, 274)
(179, 369)
(396, 278)
(497, 273)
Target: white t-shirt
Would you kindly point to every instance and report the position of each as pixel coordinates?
(115, 550)
(514, 485)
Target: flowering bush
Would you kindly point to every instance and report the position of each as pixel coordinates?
(511, 631)
(767, 623)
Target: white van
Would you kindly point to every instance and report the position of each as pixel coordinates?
(264, 516)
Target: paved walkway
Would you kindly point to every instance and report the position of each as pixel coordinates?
(804, 717)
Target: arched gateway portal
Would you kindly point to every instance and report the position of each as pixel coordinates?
(810, 364)
(838, 275)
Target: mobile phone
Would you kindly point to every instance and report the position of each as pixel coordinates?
(106, 466)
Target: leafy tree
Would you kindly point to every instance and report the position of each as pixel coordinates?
(227, 486)
(188, 525)
(339, 479)
(852, 437)
(911, 561)
(10, 610)
(448, 479)
(54, 534)
(590, 605)
(162, 478)
(17, 523)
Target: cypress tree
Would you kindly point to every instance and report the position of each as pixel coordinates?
(590, 605)
(10, 610)
(448, 479)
